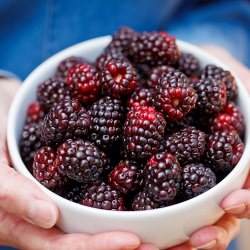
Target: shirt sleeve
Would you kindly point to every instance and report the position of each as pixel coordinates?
(8, 74)
(222, 23)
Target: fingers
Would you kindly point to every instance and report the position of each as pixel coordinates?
(21, 197)
(238, 203)
(216, 237)
(21, 234)
(9, 88)
(113, 241)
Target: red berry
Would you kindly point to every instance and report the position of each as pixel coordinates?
(35, 113)
(141, 97)
(174, 97)
(126, 177)
(66, 64)
(45, 170)
(156, 73)
(84, 82)
(104, 58)
(143, 131)
(230, 119)
(118, 77)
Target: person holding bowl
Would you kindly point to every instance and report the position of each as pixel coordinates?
(27, 216)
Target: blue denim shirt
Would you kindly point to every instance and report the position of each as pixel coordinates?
(31, 31)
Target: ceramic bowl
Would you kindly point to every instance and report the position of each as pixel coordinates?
(164, 227)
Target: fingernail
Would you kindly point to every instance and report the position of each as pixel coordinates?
(236, 210)
(42, 213)
(208, 245)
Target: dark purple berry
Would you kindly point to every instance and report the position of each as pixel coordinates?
(196, 179)
(188, 145)
(68, 119)
(143, 131)
(80, 160)
(102, 196)
(162, 176)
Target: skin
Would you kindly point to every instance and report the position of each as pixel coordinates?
(26, 211)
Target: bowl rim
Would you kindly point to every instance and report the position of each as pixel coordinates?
(93, 43)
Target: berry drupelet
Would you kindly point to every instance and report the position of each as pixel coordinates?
(174, 97)
(103, 196)
(188, 145)
(84, 82)
(143, 131)
(142, 201)
(107, 115)
(154, 48)
(223, 152)
(156, 73)
(66, 64)
(196, 179)
(30, 143)
(126, 177)
(80, 160)
(162, 176)
(230, 119)
(51, 92)
(118, 77)
(219, 74)
(142, 97)
(211, 96)
(68, 119)
(188, 64)
(46, 172)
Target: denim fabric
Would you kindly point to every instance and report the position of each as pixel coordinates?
(31, 31)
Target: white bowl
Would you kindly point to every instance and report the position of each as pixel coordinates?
(163, 227)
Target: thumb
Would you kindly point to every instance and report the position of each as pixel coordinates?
(21, 197)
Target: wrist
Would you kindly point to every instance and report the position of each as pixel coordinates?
(4, 74)
(8, 87)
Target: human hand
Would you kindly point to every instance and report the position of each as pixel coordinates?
(237, 204)
(28, 216)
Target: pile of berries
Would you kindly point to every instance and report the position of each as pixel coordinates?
(142, 127)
